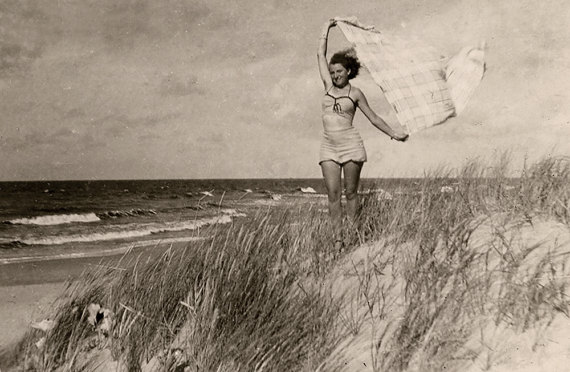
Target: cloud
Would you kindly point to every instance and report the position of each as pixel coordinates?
(24, 30)
(172, 85)
(215, 88)
(211, 139)
(148, 137)
(58, 141)
(152, 120)
(79, 132)
(13, 56)
(125, 21)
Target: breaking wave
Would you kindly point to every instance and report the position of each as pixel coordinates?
(132, 230)
(57, 219)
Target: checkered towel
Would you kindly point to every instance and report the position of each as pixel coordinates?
(421, 90)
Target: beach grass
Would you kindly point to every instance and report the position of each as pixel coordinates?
(428, 276)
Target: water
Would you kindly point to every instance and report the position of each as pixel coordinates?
(58, 219)
(43, 220)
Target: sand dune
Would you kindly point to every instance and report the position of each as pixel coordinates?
(496, 346)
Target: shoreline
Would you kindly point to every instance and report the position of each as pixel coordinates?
(30, 289)
(53, 269)
(22, 305)
(31, 285)
(121, 249)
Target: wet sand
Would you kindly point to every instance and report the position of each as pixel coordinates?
(28, 290)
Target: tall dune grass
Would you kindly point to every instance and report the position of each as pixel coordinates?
(451, 280)
(258, 295)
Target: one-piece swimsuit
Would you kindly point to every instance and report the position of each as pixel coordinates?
(341, 142)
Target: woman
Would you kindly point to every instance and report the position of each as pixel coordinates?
(342, 149)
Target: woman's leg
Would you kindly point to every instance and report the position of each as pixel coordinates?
(351, 180)
(332, 175)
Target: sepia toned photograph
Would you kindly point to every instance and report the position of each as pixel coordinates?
(328, 186)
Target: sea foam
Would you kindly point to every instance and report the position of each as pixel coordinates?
(56, 219)
(120, 249)
(133, 230)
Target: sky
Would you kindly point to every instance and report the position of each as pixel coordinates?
(107, 89)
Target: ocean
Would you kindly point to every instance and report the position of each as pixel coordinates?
(63, 219)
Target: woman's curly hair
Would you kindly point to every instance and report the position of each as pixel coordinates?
(347, 58)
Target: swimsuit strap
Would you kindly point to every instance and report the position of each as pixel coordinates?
(336, 106)
(348, 95)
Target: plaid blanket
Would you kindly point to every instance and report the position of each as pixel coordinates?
(421, 90)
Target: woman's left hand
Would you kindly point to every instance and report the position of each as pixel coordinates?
(401, 137)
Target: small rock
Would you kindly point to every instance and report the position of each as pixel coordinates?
(40, 343)
(308, 190)
(45, 325)
(93, 310)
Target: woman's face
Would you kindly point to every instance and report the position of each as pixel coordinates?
(339, 74)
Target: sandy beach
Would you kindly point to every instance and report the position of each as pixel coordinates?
(523, 259)
(29, 290)
(22, 305)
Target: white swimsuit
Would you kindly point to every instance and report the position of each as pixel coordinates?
(341, 141)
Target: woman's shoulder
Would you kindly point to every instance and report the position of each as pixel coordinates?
(328, 86)
(356, 91)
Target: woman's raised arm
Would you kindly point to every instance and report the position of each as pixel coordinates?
(322, 55)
